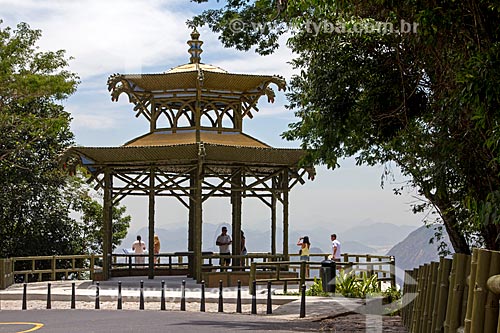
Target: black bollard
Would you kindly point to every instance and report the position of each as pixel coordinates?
(25, 302)
(269, 302)
(162, 301)
(221, 301)
(141, 296)
(183, 296)
(285, 287)
(73, 295)
(238, 298)
(97, 302)
(254, 298)
(303, 301)
(119, 304)
(202, 304)
(49, 301)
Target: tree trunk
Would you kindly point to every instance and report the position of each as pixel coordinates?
(457, 238)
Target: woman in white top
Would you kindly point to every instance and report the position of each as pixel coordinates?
(139, 247)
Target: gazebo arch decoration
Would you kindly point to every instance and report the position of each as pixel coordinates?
(200, 152)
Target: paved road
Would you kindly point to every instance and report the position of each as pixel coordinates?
(88, 321)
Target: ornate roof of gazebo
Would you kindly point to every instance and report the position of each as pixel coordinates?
(203, 96)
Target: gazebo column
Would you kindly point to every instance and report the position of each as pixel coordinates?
(273, 216)
(197, 230)
(151, 224)
(192, 216)
(107, 246)
(285, 213)
(236, 185)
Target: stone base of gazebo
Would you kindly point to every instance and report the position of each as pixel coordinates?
(230, 279)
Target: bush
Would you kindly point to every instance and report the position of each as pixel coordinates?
(349, 284)
(316, 289)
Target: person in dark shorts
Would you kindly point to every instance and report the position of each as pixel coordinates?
(223, 242)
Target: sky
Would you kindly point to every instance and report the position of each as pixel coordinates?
(149, 36)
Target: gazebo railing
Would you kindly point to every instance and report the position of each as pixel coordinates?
(46, 268)
(210, 261)
(382, 265)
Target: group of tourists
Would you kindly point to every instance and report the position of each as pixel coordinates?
(224, 241)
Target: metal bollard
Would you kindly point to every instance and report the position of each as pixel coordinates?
(162, 306)
(285, 287)
(238, 298)
(49, 301)
(183, 296)
(254, 297)
(269, 302)
(221, 301)
(303, 301)
(25, 302)
(97, 303)
(141, 296)
(119, 304)
(73, 296)
(202, 304)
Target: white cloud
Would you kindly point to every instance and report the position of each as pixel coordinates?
(107, 36)
(92, 122)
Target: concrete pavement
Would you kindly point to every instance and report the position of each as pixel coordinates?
(289, 306)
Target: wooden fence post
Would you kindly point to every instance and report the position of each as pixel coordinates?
(417, 308)
(392, 270)
(442, 287)
(457, 292)
(53, 268)
(3, 282)
(252, 277)
(302, 273)
(482, 305)
(470, 294)
(492, 305)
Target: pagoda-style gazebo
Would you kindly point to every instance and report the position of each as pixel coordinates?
(195, 149)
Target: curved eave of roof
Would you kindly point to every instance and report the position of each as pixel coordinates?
(185, 153)
(186, 80)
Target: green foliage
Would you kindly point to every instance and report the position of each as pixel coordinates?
(348, 284)
(392, 295)
(427, 101)
(81, 199)
(34, 130)
(316, 289)
(37, 199)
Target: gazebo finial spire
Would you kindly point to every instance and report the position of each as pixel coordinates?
(195, 47)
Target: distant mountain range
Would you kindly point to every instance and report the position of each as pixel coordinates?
(415, 250)
(374, 238)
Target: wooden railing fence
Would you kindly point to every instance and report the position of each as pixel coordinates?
(459, 294)
(383, 266)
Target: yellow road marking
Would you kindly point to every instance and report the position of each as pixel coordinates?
(36, 326)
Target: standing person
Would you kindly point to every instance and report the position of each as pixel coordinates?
(139, 247)
(243, 244)
(157, 248)
(305, 245)
(223, 241)
(335, 248)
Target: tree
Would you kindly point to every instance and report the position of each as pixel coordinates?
(35, 210)
(84, 201)
(427, 99)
